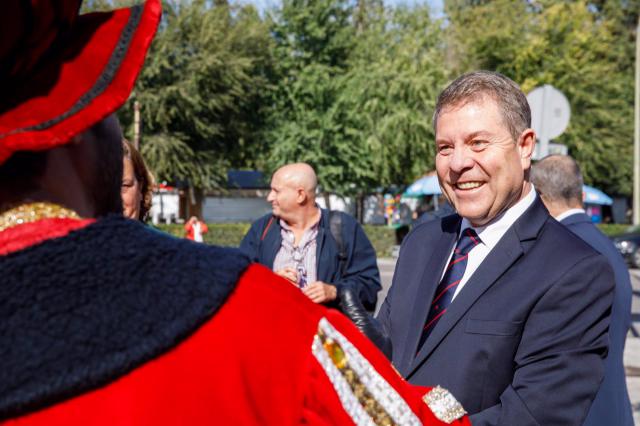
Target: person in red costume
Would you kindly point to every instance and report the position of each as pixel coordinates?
(105, 322)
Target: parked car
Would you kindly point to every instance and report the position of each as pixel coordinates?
(628, 245)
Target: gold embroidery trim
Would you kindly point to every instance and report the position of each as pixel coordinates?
(32, 212)
(339, 358)
(444, 406)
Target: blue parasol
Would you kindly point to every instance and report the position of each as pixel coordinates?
(595, 196)
(426, 185)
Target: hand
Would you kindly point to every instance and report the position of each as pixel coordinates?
(289, 274)
(320, 292)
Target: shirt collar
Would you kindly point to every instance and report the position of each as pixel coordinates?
(492, 233)
(568, 213)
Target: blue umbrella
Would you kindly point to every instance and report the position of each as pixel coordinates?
(595, 196)
(426, 185)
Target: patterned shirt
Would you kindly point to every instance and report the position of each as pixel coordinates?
(302, 257)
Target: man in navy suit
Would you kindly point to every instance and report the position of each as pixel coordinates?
(558, 180)
(499, 303)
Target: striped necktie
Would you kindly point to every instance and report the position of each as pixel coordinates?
(452, 277)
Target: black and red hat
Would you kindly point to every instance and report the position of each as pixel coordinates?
(61, 72)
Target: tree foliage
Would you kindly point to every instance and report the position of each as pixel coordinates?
(350, 85)
(202, 92)
(578, 47)
(362, 116)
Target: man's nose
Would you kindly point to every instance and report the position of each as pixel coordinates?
(461, 159)
(270, 197)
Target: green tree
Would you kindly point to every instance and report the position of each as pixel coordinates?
(314, 39)
(363, 121)
(581, 50)
(202, 92)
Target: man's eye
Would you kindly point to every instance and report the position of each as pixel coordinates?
(444, 149)
(477, 145)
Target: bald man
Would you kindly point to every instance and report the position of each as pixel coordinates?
(296, 240)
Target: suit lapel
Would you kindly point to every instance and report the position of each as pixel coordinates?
(499, 260)
(424, 292)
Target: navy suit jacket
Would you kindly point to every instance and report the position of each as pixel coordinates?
(611, 406)
(523, 342)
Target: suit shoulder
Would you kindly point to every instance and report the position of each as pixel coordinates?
(428, 228)
(557, 238)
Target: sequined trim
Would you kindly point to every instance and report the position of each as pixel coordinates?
(32, 212)
(359, 386)
(348, 399)
(444, 405)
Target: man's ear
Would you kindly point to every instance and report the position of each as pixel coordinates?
(301, 195)
(526, 144)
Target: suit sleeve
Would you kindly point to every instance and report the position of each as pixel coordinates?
(351, 382)
(361, 272)
(559, 363)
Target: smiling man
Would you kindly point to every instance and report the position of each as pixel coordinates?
(499, 302)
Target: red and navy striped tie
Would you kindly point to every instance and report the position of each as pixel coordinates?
(452, 277)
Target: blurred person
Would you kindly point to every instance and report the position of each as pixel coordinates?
(137, 184)
(499, 302)
(106, 322)
(315, 249)
(195, 229)
(558, 180)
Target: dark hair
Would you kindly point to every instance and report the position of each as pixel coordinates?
(142, 175)
(476, 85)
(558, 178)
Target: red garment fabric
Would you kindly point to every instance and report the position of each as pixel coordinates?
(29, 234)
(249, 364)
(57, 85)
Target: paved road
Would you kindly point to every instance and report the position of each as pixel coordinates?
(632, 349)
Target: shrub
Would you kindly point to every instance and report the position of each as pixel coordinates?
(230, 234)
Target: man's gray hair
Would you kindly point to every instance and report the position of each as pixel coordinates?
(558, 178)
(477, 85)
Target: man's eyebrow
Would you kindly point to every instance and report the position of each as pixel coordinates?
(466, 137)
(476, 134)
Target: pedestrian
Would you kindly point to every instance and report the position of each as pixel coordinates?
(195, 229)
(104, 321)
(499, 301)
(319, 251)
(558, 180)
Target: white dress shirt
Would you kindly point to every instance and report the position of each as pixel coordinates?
(490, 235)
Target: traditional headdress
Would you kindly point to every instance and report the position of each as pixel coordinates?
(61, 72)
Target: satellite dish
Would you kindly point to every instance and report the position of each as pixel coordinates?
(550, 114)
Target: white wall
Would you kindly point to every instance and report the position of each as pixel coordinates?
(221, 209)
(165, 207)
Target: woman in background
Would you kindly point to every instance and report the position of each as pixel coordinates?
(137, 184)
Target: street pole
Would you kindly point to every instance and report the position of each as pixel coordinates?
(636, 139)
(136, 124)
